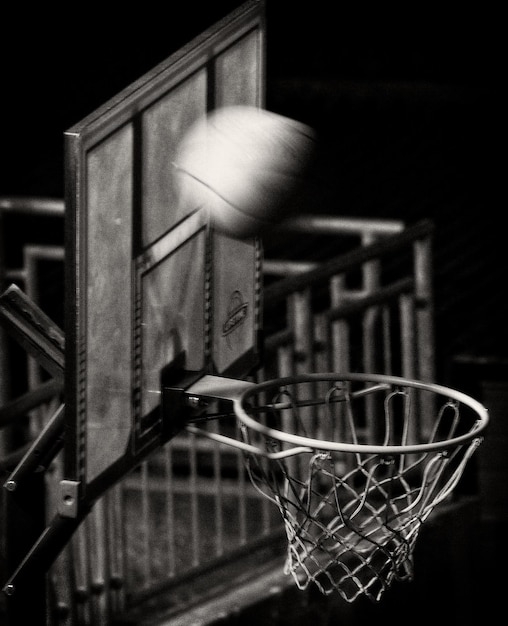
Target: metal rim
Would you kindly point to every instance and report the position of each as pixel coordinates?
(241, 412)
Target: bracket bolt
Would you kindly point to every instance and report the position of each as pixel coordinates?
(9, 589)
(195, 402)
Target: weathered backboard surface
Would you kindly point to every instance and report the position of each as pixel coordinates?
(148, 280)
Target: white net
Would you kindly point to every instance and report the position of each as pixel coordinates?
(352, 515)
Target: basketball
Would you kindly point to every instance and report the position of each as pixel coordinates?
(245, 166)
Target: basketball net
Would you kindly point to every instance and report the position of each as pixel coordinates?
(355, 466)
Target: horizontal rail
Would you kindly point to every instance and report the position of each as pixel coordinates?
(203, 486)
(32, 399)
(277, 339)
(330, 225)
(32, 205)
(381, 296)
(10, 460)
(276, 292)
(283, 268)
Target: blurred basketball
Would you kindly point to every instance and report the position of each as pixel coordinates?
(245, 166)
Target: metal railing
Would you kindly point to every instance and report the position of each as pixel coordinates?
(377, 286)
(188, 507)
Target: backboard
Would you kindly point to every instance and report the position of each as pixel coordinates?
(149, 281)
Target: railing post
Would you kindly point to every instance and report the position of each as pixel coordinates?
(299, 312)
(339, 328)
(424, 308)
(425, 325)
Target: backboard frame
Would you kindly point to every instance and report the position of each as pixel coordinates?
(117, 126)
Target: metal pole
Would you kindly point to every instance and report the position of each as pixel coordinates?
(23, 522)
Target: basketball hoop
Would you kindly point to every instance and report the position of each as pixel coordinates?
(355, 464)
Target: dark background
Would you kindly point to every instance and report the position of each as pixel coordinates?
(407, 104)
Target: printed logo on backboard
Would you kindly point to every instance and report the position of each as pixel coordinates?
(237, 314)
